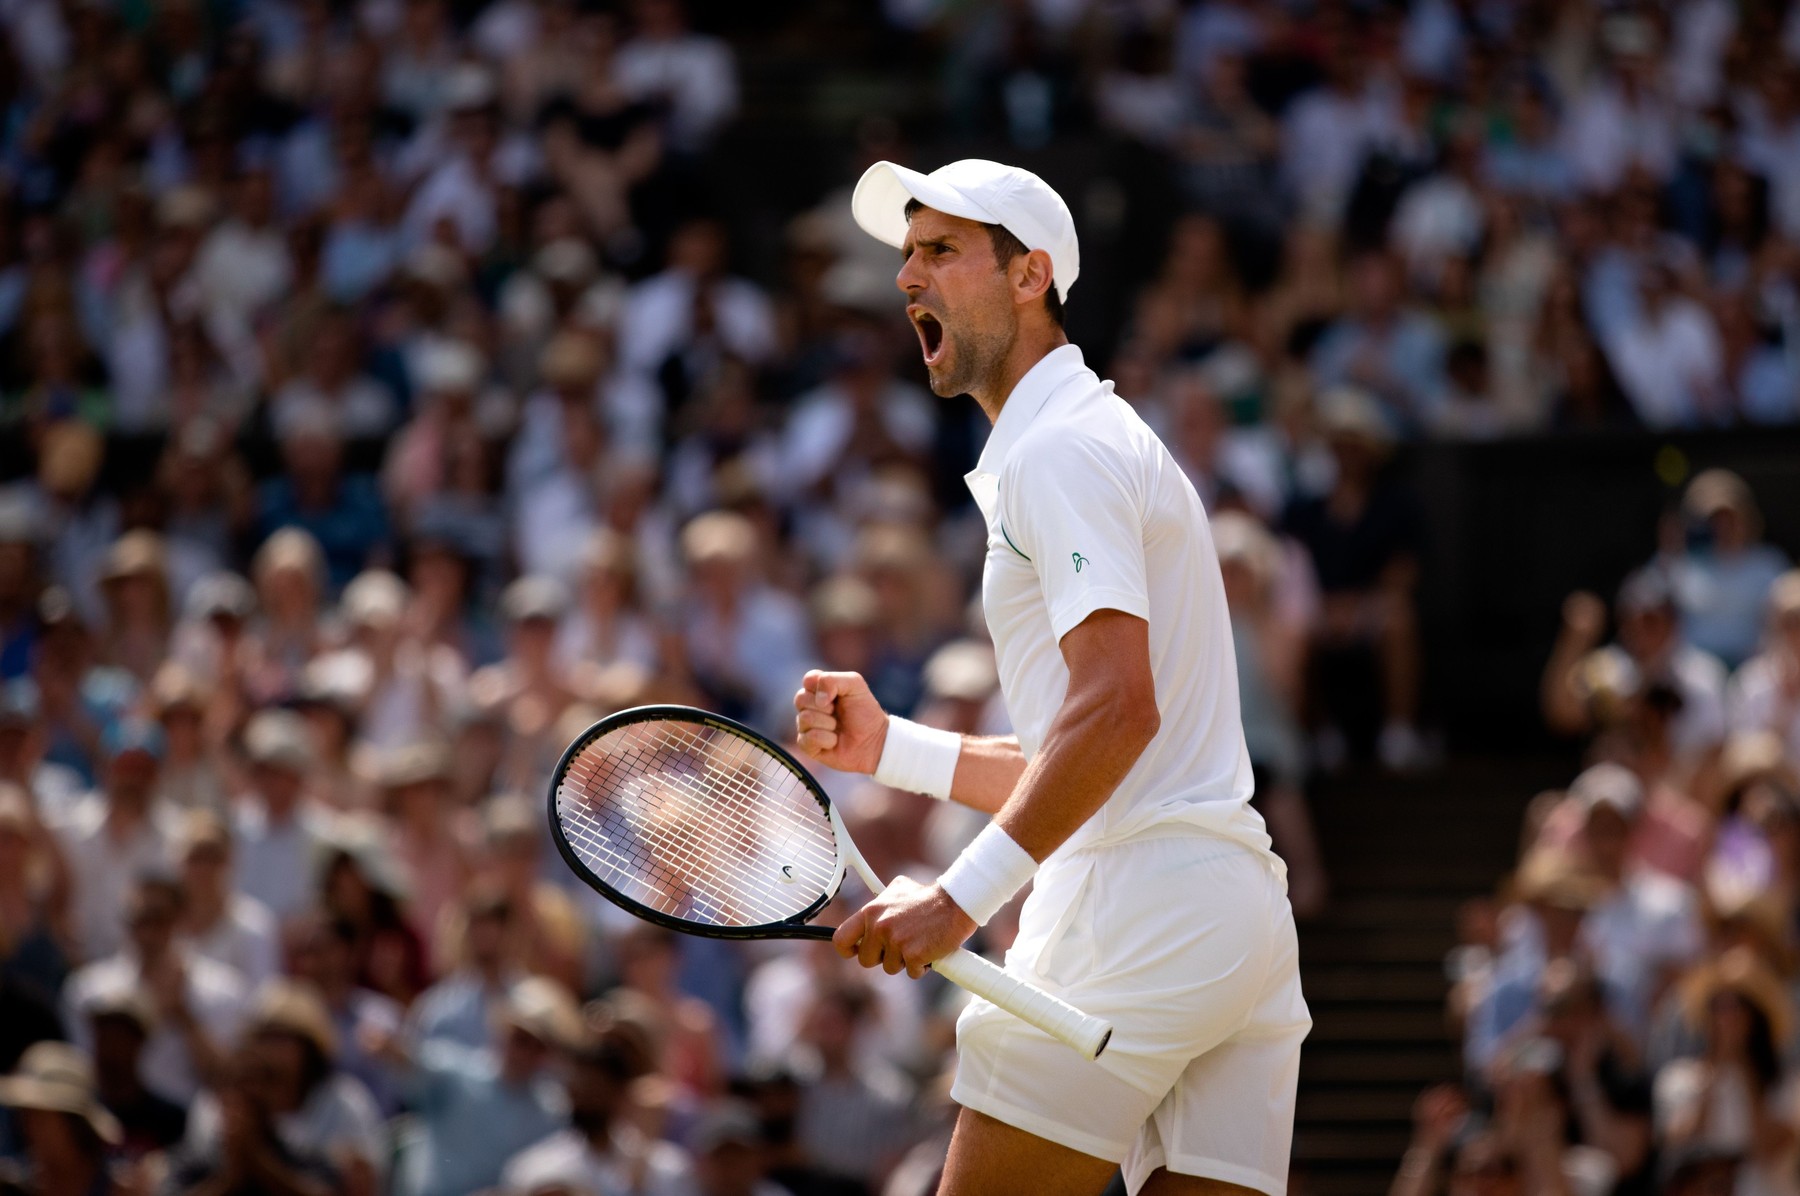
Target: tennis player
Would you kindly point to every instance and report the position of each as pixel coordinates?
(1124, 798)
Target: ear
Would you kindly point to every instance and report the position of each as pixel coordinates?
(1031, 275)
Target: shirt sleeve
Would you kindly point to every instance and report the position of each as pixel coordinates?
(1070, 507)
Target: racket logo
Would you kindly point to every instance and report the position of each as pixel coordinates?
(787, 873)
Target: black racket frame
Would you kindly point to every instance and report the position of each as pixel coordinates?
(794, 927)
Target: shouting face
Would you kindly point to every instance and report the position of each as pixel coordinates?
(960, 300)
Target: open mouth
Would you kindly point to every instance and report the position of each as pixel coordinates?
(931, 335)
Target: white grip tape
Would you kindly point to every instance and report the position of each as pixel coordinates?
(1027, 1002)
(917, 758)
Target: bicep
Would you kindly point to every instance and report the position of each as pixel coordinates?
(1108, 654)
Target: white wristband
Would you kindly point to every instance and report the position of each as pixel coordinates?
(987, 873)
(918, 758)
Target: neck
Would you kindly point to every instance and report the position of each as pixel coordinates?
(1029, 349)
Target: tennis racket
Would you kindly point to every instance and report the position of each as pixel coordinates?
(698, 823)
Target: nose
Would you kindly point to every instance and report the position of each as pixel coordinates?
(911, 278)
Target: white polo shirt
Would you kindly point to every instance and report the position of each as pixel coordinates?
(1086, 510)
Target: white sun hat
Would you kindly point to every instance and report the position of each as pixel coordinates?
(975, 189)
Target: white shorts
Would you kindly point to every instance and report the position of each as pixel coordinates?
(1186, 943)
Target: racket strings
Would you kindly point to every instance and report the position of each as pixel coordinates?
(697, 823)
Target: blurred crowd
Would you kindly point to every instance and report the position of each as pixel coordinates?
(384, 399)
(1627, 1000)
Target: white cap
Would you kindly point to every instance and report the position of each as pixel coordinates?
(974, 189)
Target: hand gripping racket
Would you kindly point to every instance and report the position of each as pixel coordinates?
(697, 823)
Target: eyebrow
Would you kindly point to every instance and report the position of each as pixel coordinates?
(906, 249)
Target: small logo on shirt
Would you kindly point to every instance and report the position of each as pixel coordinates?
(1078, 559)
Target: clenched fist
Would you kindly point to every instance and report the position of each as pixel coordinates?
(839, 722)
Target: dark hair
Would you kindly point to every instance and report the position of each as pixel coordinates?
(1006, 248)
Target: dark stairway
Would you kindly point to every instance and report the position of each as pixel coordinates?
(1403, 854)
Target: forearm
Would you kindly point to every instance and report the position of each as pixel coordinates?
(1093, 742)
(1420, 1170)
(987, 771)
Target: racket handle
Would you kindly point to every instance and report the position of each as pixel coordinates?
(1027, 1002)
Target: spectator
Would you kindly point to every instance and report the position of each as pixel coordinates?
(1393, 354)
(462, 1007)
(343, 512)
(112, 836)
(423, 840)
(728, 1154)
(1765, 693)
(480, 1107)
(120, 1024)
(1271, 666)
(309, 1116)
(1722, 579)
(199, 1004)
(330, 378)
(852, 1117)
(1735, 1096)
(1650, 658)
(280, 831)
(324, 955)
(598, 1151)
(741, 633)
(217, 923)
(34, 898)
(1364, 541)
(692, 77)
(66, 1130)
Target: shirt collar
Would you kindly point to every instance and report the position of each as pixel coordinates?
(1029, 394)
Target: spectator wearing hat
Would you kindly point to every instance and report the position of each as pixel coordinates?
(1644, 929)
(289, 572)
(111, 836)
(407, 684)
(599, 1150)
(607, 624)
(134, 586)
(742, 635)
(423, 833)
(532, 684)
(278, 829)
(212, 640)
(1651, 660)
(190, 778)
(450, 402)
(34, 898)
(1764, 694)
(311, 1116)
(1550, 895)
(217, 922)
(1722, 583)
(342, 511)
(1364, 538)
(120, 1022)
(1736, 1095)
(67, 1132)
(548, 921)
(199, 1003)
(461, 1007)
(479, 1107)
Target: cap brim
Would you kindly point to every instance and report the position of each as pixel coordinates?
(28, 1092)
(879, 202)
